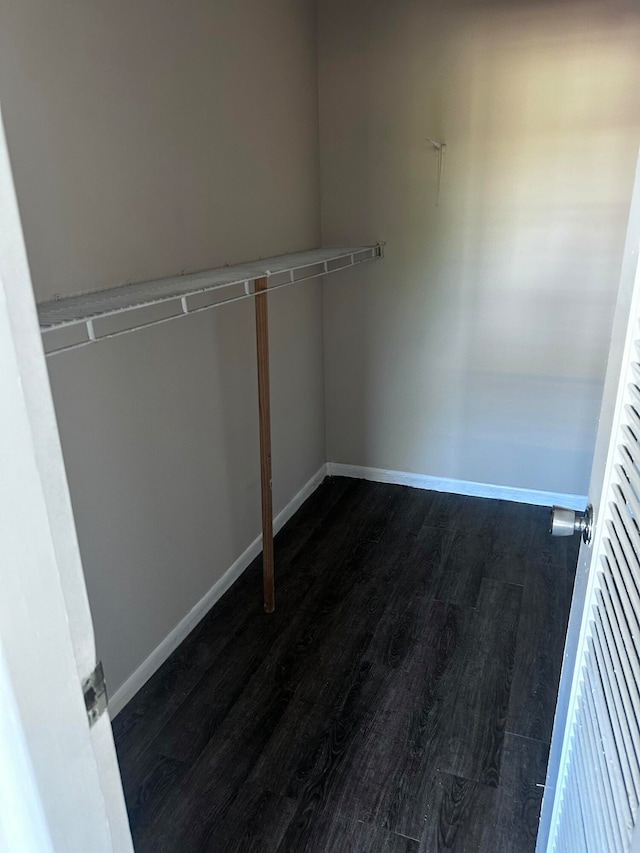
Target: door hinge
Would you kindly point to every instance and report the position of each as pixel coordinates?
(94, 689)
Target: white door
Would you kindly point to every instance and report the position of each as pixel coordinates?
(593, 781)
(60, 786)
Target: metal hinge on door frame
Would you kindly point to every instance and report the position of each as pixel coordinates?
(94, 689)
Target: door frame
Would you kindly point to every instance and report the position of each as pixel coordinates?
(60, 786)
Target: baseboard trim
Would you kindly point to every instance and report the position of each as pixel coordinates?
(171, 642)
(458, 487)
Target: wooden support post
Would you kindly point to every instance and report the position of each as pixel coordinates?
(264, 408)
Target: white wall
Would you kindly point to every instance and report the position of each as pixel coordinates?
(476, 350)
(146, 139)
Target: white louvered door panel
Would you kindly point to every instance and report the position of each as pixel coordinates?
(599, 802)
(592, 795)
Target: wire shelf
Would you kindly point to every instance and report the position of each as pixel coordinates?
(77, 321)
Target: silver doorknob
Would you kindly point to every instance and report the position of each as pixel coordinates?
(566, 522)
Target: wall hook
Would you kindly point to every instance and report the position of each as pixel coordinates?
(440, 148)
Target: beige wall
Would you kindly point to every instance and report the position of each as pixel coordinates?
(149, 138)
(476, 350)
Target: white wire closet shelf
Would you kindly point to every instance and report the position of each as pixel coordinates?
(77, 321)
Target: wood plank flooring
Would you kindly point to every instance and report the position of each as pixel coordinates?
(400, 698)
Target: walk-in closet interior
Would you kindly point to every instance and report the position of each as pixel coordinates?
(342, 273)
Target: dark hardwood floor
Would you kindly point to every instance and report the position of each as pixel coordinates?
(400, 699)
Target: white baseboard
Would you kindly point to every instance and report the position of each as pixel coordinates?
(458, 487)
(171, 642)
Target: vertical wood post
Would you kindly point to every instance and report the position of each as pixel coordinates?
(264, 409)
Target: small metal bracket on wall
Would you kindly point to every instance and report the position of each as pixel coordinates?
(94, 689)
(440, 148)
